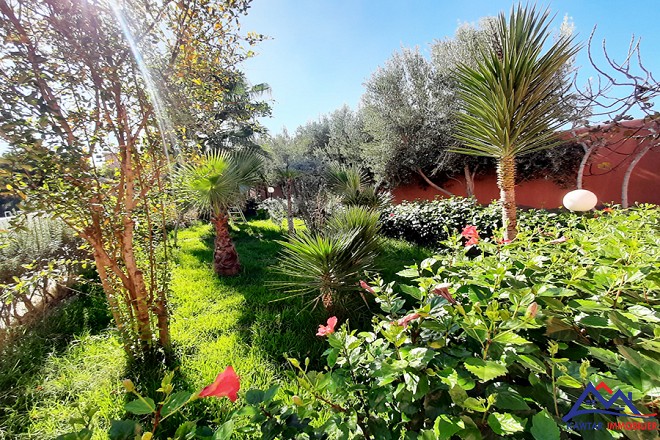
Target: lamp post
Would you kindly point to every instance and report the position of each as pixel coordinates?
(270, 190)
(580, 200)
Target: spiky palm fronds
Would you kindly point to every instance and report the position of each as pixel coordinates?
(513, 96)
(219, 180)
(352, 185)
(329, 264)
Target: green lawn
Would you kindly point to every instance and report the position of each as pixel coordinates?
(72, 358)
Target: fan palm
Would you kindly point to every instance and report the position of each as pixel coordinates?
(328, 265)
(219, 181)
(513, 98)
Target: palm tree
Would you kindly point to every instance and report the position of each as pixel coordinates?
(513, 98)
(286, 176)
(217, 182)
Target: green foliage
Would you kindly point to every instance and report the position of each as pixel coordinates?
(513, 96)
(427, 223)
(220, 180)
(351, 185)
(498, 345)
(37, 256)
(330, 263)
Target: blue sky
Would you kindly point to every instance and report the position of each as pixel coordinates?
(322, 51)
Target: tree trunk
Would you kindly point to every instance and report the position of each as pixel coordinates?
(433, 185)
(469, 180)
(629, 170)
(326, 299)
(289, 207)
(225, 257)
(506, 181)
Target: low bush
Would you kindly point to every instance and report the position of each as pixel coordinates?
(429, 222)
(509, 344)
(35, 257)
(328, 264)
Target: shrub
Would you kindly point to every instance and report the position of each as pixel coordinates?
(34, 257)
(501, 345)
(276, 209)
(329, 264)
(429, 222)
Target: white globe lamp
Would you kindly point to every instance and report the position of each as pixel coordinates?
(580, 200)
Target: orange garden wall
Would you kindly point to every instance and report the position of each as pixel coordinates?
(604, 174)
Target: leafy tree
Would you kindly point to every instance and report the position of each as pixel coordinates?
(70, 87)
(511, 97)
(216, 183)
(407, 110)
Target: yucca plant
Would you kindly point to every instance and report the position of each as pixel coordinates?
(513, 98)
(352, 186)
(329, 264)
(218, 181)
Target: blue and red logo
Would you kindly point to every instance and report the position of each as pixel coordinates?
(591, 396)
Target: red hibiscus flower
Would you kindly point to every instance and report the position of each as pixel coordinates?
(470, 231)
(443, 291)
(608, 210)
(471, 241)
(406, 319)
(367, 287)
(329, 329)
(225, 385)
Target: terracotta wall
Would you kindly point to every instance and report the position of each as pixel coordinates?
(604, 174)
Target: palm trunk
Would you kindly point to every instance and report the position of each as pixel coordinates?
(225, 257)
(506, 181)
(289, 206)
(326, 299)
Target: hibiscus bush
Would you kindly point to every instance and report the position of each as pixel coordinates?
(428, 222)
(497, 345)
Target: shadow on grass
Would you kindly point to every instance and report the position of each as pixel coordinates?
(272, 319)
(28, 348)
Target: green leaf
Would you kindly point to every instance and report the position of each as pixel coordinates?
(124, 430)
(544, 427)
(509, 337)
(569, 381)
(141, 407)
(254, 397)
(485, 370)
(479, 405)
(508, 398)
(505, 423)
(225, 431)
(415, 292)
(270, 393)
(445, 426)
(174, 401)
(411, 272)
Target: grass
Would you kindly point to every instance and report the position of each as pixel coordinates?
(72, 358)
